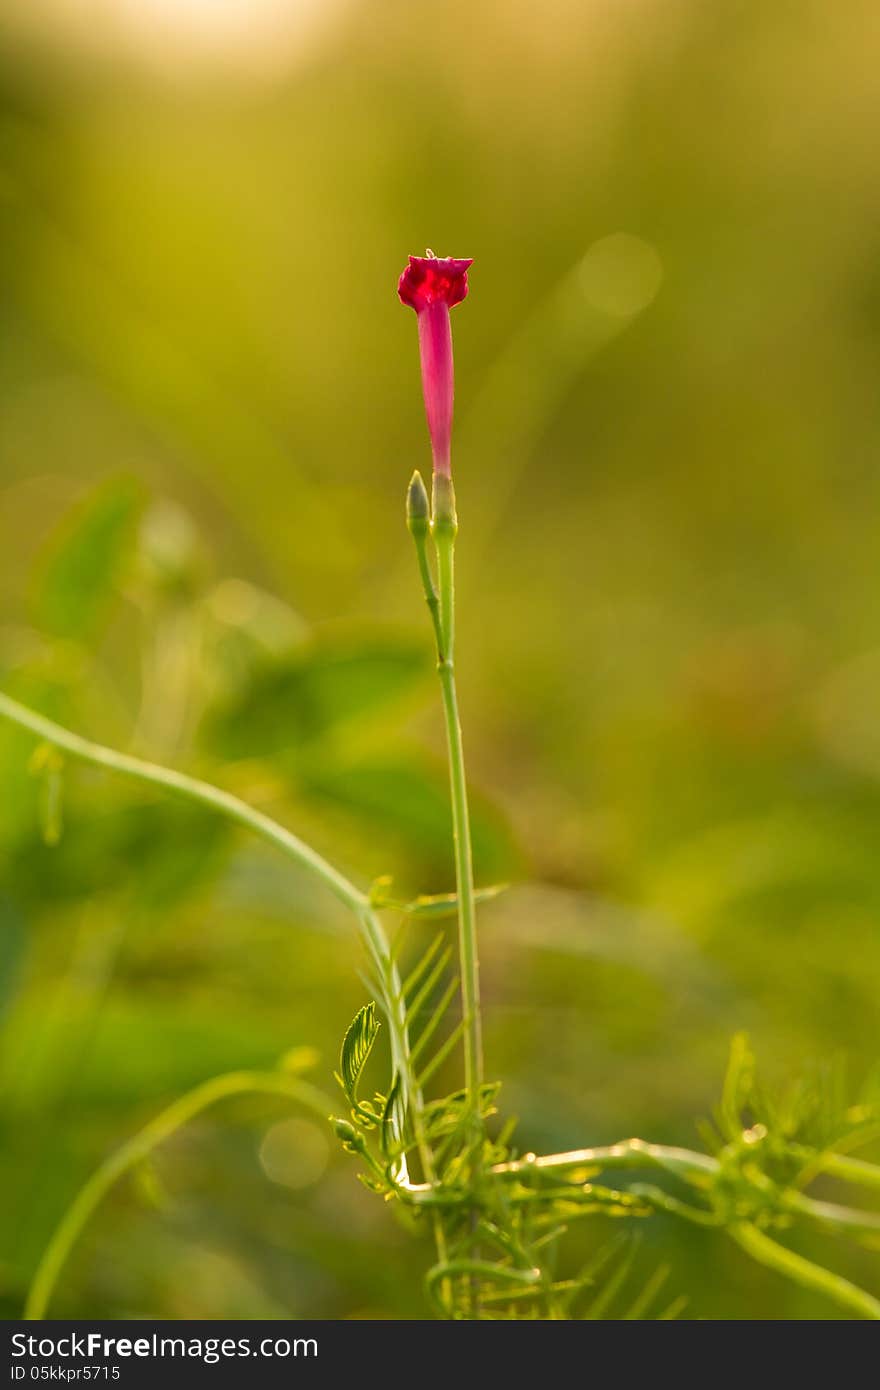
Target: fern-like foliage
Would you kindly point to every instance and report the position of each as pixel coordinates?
(503, 1217)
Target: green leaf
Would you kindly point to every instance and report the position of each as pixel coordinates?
(428, 985)
(159, 853)
(433, 905)
(738, 1085)
(314, 692)
(441, 1054)
(449, 1114)
(643, 1300)
(674, 1310)
(356, 1048)
(433, 1023)
(407, 800)
(422, 964)
(85, 561)
(609, 1291)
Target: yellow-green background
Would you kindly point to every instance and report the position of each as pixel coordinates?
(668, 417)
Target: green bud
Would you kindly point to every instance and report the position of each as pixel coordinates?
(345, 1131)
(417, 506)
(445, 518)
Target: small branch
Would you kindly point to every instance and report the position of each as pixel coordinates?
(844, 1221)
(699, 1169)
(629, 1153)
(838, 1165)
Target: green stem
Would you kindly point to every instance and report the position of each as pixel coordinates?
(431, 599)
(854, 1170)
(195, 790)
(192, 788)
(810, 1276)
(629, 1153)
(832, 1216)
(180, 784)
(839, 1165)
(700, 1170)
(401, 1053)
(136, 1149)
(444, 538)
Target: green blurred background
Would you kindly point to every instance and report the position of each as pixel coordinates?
(666, 458)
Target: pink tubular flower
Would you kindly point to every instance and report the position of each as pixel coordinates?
(432, 285)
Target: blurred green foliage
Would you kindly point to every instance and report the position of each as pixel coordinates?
(669, 648)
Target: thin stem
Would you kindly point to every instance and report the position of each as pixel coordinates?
(475, 1269)
(430, 592)
(194, 790)
(854, 1170)
(295, 849)
(234, 809)
(401, 1052)
(810, 1276)
(839, 1165)
(629, 1153)
(136, 1149)
(843, 1220)
(700, 1170)
(444, 541)
(205, 794)
(464, 873)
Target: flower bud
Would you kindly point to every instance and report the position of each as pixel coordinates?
(345, 1131)
(418, 508)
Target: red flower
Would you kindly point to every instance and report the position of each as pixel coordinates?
(431, 279)
(432, 285)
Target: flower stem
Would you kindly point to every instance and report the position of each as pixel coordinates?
(445, 527)
(431, 598)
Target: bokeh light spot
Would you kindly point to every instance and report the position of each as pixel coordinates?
(294, 1153)
(621, 274)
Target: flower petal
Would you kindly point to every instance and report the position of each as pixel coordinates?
(434, 280)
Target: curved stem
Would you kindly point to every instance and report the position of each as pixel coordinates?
(700, 1170)
(136, 1149)
(810, 1276)
(204, 793)
(475, 1269)
(291, 845)
(840, 1165)
(629, 1153)
(854, 1170)
(193, 789)
(832, 1216)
